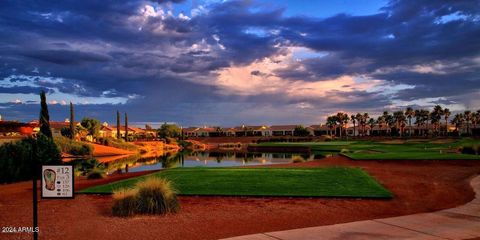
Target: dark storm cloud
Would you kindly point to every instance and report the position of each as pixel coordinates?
(167, 65)
(34, 90)
(66, 57)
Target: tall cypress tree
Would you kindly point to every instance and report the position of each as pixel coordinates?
(44, 120)
(72, 124)
(118, 125)
(126, 127)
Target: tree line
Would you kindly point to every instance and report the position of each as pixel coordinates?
(396, 123)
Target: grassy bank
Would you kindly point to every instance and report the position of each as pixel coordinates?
(393, 150)
(297, 182)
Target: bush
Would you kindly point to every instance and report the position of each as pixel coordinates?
(124, 202)
(344, 150)
(16, 157)
(73, 147)
(297, 159)
(327, 138)
(170, 140)
(96, 173)
(156, 196)
(152, 196)
(470, 149)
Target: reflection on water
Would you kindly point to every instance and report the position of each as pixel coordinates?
(138, 163)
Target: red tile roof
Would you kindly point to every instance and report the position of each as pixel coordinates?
(283, 127)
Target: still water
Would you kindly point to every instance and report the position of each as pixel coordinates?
(204, 159)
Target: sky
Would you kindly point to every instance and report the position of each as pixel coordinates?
(233, 62)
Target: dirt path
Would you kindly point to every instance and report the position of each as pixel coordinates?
(419, 186)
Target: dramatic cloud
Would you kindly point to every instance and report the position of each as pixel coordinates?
(234, 62)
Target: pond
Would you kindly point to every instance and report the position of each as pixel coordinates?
(138, 163)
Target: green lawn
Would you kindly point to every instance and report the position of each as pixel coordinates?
(295, 182)
(365, 150)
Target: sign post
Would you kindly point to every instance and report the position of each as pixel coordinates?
(34, 190)
(57, 181)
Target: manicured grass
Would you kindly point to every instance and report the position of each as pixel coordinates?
(364, 150)
(295, 182)
(410, 156)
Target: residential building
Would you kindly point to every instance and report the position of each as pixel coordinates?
(282, 130)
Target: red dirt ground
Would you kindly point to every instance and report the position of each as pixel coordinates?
(419, 186)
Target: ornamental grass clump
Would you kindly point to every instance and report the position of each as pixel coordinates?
(156, 196)
(152, 196)
(297, 159)
(124, 202)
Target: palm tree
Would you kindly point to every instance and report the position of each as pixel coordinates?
(475, 120)
(418, 120)
(346, 119)
(421, 119)
(387, 118)
(399, 119)
(364, 122)
(446, 115)
(331, 123)
(354, 120)
(359, 118)
(372, 123)
(219, 131)
(342, 119)
(436, 116)
(409, 113)
(458, 120)
(468, 117)
(381, 123)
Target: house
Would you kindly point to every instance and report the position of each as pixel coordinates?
(206, 132)
(14, 128)
(58, 126)
(251, 131)
(358, 130)
(282, 130)
(319, 130)
(229, 132)
(107, 131)
(190, 131)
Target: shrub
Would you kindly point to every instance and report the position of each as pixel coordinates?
(96, 173)
(65, 131)
(344, 150)
(327, 138)
(170, 140)
(152, 196)
(16, 157)
(470, 149)
(73, 147)
(297, 159)
(156, 196)
(124, 202)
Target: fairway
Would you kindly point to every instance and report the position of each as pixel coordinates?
(293, 182)
(371, 150)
